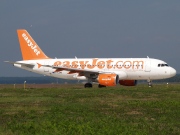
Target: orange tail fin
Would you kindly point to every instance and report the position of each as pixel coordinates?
(29, 49)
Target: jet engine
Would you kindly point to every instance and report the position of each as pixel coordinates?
(128, 82)
(108, 79)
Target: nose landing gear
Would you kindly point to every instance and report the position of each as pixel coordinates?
(149, 83)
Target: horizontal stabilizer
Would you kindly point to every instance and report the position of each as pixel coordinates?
(23, 64)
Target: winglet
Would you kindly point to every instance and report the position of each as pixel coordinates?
(29, 49)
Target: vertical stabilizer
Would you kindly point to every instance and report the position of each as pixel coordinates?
(29, 49)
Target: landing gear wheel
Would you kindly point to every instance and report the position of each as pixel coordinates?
(88, 85)
(150, 83)
(101, 86)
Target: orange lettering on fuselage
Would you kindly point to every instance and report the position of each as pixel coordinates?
(93, 65)
(57, 63)
(66, 64)
(135, 65)
(101, 64)
(119, 64)
(127, 64)
(109, 62)
(83, 64)
(74, 64)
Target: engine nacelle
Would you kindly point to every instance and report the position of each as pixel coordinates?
(108, 79)
(128, 82)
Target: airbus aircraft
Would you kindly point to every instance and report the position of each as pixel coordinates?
(104, 71)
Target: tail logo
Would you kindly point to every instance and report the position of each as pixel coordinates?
(30, 44)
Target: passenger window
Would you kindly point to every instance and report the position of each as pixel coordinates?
(159, 65)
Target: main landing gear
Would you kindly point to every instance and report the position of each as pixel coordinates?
(101, 86)
(88, 85)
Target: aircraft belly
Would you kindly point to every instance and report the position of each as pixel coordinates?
(138, 75)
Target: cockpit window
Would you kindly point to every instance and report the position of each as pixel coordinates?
(163, 65)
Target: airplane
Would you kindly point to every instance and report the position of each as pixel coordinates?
(104, 71)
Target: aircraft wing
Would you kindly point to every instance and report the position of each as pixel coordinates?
(75, 70)
(86, 72)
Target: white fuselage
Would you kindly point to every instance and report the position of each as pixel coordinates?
(126, 68)
(104, 71)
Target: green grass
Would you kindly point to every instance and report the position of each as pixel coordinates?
(74, 110)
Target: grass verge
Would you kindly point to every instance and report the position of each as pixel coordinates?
(79, 111)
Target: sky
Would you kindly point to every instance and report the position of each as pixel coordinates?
(91, 29)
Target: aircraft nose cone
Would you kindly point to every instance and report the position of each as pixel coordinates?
(172, 72)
